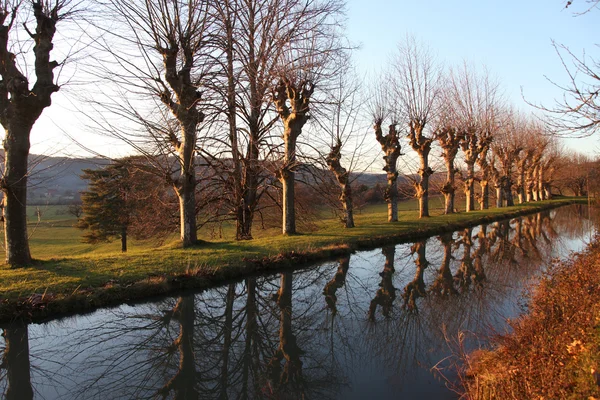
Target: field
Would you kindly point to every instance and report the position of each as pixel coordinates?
(65, 266)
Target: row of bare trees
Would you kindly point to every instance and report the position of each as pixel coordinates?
(461, 111)
(228, 101)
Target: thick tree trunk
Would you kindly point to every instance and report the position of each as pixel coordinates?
(187, 212)
(499, 196)
(391, 196)
(348, 206)
(14, 185)
(508, 192)
(293, 117)
(185, 186)
(485, 194)
(470, 188)
(342, 178)
(391, 147)
(250, 186)
(16, 362)
(124, 239)
(423, 185)
(287, 177)
(448, 189)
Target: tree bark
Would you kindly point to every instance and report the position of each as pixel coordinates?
(448, 189)
(124, 239)
(499, 195)
(423, 186)
(342, 178)
(294, 116)
(390, 144)
(287, 177)
(20, 107)
(470, 187)
(484, 203)
(16, 360)
(16, 152)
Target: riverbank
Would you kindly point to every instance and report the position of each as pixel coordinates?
(54, 286)
(553, 351)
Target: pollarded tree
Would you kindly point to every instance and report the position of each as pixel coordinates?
(475, 103)
(390, 145)
(21, 104)
(255, 38)
(416, 78)
(449, 135)
(507, 146)
(292, 99)
(345, 138)
(161, 51)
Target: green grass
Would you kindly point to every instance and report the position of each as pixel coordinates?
(65, 266)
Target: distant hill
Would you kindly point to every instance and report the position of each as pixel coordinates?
(56, 180)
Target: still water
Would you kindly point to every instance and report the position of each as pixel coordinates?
(370, 325)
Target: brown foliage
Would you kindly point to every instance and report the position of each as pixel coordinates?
(553, 351)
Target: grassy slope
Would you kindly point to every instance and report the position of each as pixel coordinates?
(554, 350)
(65, 265)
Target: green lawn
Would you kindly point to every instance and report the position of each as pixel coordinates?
(65, 266)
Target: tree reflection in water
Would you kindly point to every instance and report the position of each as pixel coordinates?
(313, 333)
(386, 294)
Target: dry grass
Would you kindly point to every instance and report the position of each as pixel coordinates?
(553, 351)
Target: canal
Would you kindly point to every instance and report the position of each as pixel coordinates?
(376, 324)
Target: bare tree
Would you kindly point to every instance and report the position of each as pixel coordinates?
(449, 134)
(417, 78)
(257, 39)
(21, 105)
(161, 53)
(347, 137)
(577, 113)
(390, 145)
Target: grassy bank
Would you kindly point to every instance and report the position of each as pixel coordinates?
(554, 350)
(72, 276)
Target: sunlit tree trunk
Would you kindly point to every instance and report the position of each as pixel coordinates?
(390, 145)
(292, 103)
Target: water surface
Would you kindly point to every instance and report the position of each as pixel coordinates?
(369, 325)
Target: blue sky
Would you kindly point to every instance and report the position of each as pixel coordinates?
(512, 38)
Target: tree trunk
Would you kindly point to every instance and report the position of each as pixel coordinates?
(16, 362)
(391, 196)
(348, 207)
(508, 192)
(448, 189)
(186, 184)
(470, 187)
(14, 185)
(499, 196)
(298, 94)
(342, 178)
(250, 185)
(485, 195)
(287, 177)
(124, 239)
(423, 186)
(187, 213)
